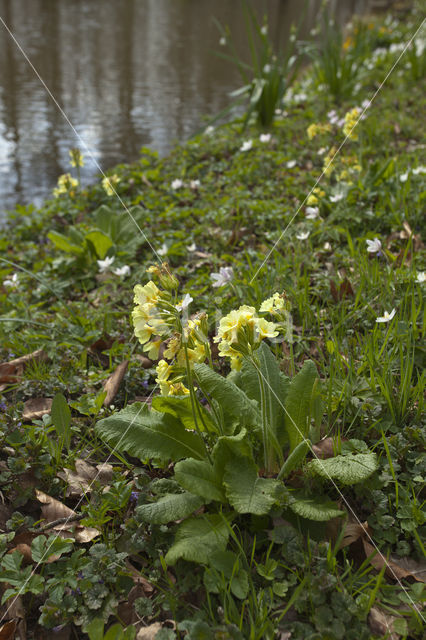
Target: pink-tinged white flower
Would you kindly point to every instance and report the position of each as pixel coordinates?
(387, 317)
(337, 197)
(224, 276)
(421, 276)
(164, 250)
(304, 235)
(247, 145)
(265, 137)
(184, 304)
(195, 184)
(374, 246)
(177, 184)
(311, 213)
(13, 281)
(122, 271)
(104, 265)
(290, 164)
(404, 177)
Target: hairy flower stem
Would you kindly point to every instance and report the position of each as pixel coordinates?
(269, 457)
(194, 399)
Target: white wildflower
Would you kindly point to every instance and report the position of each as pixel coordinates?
(224, 276)
(177, 184)
(311, 213)
(265, 137)
(184, 304)
(163, 251)
(304, 235)
(11, 282)
(290, 164)
(247, 145)
(195, 184)
(191, 247)
(421, 276)
(387, 317)
(404, 177)
(104, 265)
(122, 271)
(336, 197)
(374, 246)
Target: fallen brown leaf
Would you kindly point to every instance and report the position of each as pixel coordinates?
(11, 372)
(7, 630)
(79, 480)
(149, 633)
(396, 568)
(145, 362)
(54, 510)
(35, 408)
(325, 448)
(112, 385)
(381, 623)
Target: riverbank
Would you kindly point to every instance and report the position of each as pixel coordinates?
(252, 208)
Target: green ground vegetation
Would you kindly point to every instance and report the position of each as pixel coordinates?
(284, 500)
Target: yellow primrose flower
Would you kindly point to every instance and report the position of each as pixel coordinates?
(315, 129)
(65, 183)
(266, 329)
(173, 347)
(148, 293)
(311, 200)
(109, 183)
(153, 349)
(235, 320)
(178, 389)
(273, 304)
(144, 333)
(351, 118)
(164, 371)
(76, 158)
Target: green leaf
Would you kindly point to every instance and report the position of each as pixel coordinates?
(182, 408)
(201, 478)
(246, 492)
(227, 563)
(147, 434)
(298, 404)
(95, 629)
(61, 418)
(197, 538)
(173, 506)
(43, 548)
(232, 399)
(62, 242)
(315, 508)
(348, 469)
(100, 242)
(276, 388)
(228, 447)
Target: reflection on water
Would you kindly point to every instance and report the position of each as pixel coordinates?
(127, 73)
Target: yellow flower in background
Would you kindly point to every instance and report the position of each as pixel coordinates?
(148, 293)
(327, 167)
(266, 329)
(173, 347)
(65, 184)
(109, 183)
(76, 158)
(178, 389)
(315, 129)
(273, 304)
(351, 119)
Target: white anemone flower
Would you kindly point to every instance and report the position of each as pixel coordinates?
(418, 170)
(122, 271)
(387, 317)
(164, 250)
(195, 184)
(311, 213)
(177, 184)
(421, 277)
(247, 145)
(191, 247)
(404, 177)
(11, 282)
(187, 299)
(290, 164)
(304, 235)
(265, 137)
(337, 197)
(224, 276)
(374, 246)
(104, 265)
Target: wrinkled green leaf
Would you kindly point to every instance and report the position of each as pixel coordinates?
(100, 242)
(201, 478)
(182, 408)
(197, 538)
(246, 492)
(298, 404)
(147, 434)
(173, 506)
(319, 509)
(348, 469)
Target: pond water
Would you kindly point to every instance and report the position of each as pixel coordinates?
(127, 74)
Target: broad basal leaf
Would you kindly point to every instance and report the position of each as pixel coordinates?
(173, 506)
(298, 404)
(100, 243)
(232, 399)
(319, 509)
(146, 434)
(63, 243)
(201, 478)
(229, 447)
(348, 469)
(182, 408)
(246, 492)
(197, 538)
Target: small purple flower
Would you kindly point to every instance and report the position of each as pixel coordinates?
(134, 497)
(3, 406)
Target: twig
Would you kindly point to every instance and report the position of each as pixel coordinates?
(55, 523)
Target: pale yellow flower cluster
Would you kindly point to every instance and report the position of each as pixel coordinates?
(316, 129)
(76, 158)
(327, 167)
(109, 183)
(157, 321)
(315, 195)
(241, 332)
(65, 184)
(351, 118)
